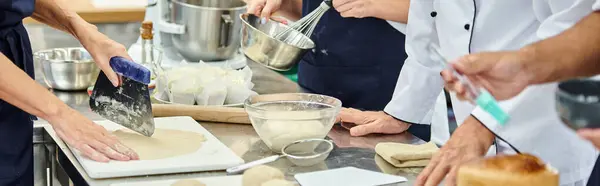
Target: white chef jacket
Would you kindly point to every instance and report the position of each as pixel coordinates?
(461, 27)
(597, 6)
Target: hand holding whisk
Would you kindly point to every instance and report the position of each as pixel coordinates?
(304, 26)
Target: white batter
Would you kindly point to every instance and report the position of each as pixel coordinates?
(164, 143)
(278, 134)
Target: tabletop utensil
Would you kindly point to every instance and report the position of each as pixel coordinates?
(259, 45)
(203, 113)
(205, 30)
(280, 119)
(213, 155)
(67, 68)
(306, 26)
(128, 104)
(301, 153)
(577, 103)
(477, 95)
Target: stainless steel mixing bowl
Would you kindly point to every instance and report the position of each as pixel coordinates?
(259, 45)
(578, 103)
(67, 68)
(212, 32)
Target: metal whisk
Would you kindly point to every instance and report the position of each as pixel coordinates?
(304, 26)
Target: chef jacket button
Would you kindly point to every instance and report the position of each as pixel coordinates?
(433, 14)
(467, 26)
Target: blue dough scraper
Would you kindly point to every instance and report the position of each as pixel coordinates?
(129, 104)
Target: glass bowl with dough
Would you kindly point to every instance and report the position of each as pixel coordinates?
(280, 119)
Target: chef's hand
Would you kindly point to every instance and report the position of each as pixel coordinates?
(92, 140)
(102, 48)
(265, 8)
(356, 8)
(469, 142)
(593, 135)
(371, 122)
(503, 74)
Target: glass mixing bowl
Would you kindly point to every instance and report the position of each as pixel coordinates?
(280, 119)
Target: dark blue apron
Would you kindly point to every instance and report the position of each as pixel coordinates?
(355, 60)
(595, 176)
(16, 126)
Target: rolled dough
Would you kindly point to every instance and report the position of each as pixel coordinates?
(165, 143)
(258, 175)
(405, 155)
(188, 183)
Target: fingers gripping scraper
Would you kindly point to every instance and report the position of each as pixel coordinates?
(128, 104)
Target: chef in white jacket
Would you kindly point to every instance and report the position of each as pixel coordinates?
(461, 27)
(506, 73)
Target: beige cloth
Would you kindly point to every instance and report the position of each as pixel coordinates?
(406, 155)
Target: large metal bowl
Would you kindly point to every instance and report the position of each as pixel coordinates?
(259, 45)
(280, 119)
(212, 32)
(578, 103)
(67, 68)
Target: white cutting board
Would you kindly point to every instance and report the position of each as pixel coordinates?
(213, 155)
(209, 181)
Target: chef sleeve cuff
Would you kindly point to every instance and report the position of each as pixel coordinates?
(395, 112)
(398, 26)
(405, 120)
(486, 119)
(597, 5)
(421, 131)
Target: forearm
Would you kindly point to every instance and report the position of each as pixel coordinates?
(571, 54)
(18, 89)
(392, 10)
(55, 14)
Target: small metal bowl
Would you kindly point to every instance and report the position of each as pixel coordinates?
(259, 45)
(67, 68)
(578, 103)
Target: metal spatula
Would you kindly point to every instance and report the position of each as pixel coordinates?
(129, 104)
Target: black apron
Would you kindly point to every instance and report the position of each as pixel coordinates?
(355, 60)
(16, 126)
(595, 176)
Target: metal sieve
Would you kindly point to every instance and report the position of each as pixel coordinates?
(301, 153)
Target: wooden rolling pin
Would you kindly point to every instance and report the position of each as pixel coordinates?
(203, 113)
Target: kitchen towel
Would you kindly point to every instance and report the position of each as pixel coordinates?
(406, 155)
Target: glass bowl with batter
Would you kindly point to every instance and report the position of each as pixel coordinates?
(280, 119)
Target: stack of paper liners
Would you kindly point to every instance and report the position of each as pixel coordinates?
(406, 155)
(205, 85)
